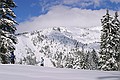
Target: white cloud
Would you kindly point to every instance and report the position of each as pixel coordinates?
(117, 1)
(96, 2)
(70, 1)
(83, 3)
(63, 16)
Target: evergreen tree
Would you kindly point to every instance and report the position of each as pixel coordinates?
(30, 58)
(109, 44)
(7, 29)
(116, 24)
(94, 59)
(87, 60)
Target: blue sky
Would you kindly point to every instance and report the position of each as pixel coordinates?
(26, 9)
(30, 8)
(40, 14)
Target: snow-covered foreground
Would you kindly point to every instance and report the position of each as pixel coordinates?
(22, 72)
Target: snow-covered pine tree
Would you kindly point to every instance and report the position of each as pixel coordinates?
(109, 44)
(116, 28)
(87, 60)
(7, 29)
(81, 60)
(29, 58)
(94, 59)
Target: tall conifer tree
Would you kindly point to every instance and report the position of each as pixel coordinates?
(110, 42)
(7, 29)
(116, 34)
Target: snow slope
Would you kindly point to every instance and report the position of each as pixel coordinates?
(49, 42)
(20, 72)
(24, 46)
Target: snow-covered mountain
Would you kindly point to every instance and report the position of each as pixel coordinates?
(52, 42)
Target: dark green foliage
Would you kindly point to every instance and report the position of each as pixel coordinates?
(94, 58)
(110, 43)
(7, 28)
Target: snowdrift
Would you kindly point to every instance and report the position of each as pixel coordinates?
(22, 72)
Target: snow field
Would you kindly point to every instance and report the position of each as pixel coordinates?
(23, 72)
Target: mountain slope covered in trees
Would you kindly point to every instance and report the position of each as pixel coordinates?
(58, 46)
